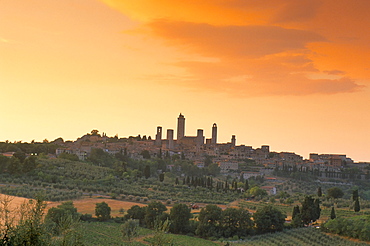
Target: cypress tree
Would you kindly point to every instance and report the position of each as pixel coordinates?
(332, 214)
(295, 211)
(241, 178)
(246, 185)
(147, 171)
(357, 206)
(355, 195)
(317, 209)
(296, 217)
(161, 177)
(308, 210)
(319, 192)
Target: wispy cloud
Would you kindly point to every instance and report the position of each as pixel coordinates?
(4, 40)
(261, 47)
(267, 60)
(233, 41)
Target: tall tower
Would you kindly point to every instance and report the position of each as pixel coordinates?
(180, 127)
(158, 136)
(233, 141)
(200, 137)
(214, 134)
(170, 138)
(265, 148)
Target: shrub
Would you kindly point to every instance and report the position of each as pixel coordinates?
(86, 217)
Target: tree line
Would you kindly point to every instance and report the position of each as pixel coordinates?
(212, 222)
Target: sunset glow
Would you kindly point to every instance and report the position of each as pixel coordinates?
(294, 75)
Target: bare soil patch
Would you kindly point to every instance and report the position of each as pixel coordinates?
(87, 205)
(15, 201)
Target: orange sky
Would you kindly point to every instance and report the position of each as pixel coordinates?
(294, 75)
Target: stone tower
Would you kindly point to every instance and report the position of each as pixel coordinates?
(233, 141)
(180, 127)
(214, 134)
(158, 136)
(200, 138)
(170, 144)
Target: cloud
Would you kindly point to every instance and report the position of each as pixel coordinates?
(3, 40)
(226, 41)
(252, 60)
(219, 12)
(334, 72)
(296, 11)
(249, 79)
(265, 47)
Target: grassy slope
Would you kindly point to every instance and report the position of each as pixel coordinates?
(189, 241)
(302, 236)
(96, 233)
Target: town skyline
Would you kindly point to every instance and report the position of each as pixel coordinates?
(292, 75)
(163, 136)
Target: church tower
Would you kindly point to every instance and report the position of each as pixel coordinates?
(214, 134)
(180, 127)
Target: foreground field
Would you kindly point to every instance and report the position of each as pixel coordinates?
(96, 233)
(302, 236)
(109, 234)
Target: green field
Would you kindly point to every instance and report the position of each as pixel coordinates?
(302, 236)
(97, 233)
(182, 240)
(104, 233)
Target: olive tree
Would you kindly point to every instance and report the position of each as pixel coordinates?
(269, 219)
(130, 229)
(102, 211)
(180, 215)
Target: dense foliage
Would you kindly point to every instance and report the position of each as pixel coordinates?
(355, 227)
(269, 219)
(102, 211)
(27, 225)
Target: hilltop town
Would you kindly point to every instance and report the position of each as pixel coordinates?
(136, 175)
(230, 157)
